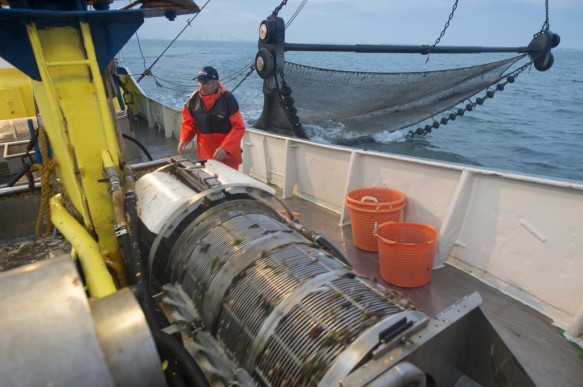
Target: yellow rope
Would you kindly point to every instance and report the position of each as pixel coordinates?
(44, 226)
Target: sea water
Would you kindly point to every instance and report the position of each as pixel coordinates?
(533, 127)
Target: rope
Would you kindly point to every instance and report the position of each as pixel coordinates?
(43, 226)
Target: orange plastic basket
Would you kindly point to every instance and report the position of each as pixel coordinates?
(370, 206)
(406, 253)
(375, 198)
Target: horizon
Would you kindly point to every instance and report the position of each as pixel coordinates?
(242, 40)
(493, 23)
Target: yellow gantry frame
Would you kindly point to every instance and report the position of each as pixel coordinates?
(78, 120)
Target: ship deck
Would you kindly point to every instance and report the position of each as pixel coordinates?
(547, 357)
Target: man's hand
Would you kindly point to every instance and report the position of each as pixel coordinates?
(219, 154)
(181, 146)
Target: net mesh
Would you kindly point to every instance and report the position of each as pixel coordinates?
(377, 101)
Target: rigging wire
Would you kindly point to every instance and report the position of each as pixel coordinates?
(130, 3)
(296, 13)
(247, 69)
(249, 72)
(148, 71)
(236, 73)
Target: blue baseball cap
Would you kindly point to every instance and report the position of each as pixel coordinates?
(207, 73)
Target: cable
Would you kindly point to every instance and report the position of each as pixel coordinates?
(246, 76)
(140, 145)
(190, 369)
(296, 13)
(148, 71)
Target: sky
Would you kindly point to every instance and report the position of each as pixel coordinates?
(499, 23)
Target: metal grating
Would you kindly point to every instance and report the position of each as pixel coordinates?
(318, 329)
(281, 307)
(209, 245)
(258, 290)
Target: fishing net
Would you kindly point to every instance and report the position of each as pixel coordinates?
(376, 101)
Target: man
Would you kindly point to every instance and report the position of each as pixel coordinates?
(211, 114)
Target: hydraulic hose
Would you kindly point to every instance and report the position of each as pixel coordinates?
(190, 369)
(173, 375)
(139, 145)
(311, 235)
(319, 239)
(133, 248)
(148, 307)
(129, 242)
(167, 344)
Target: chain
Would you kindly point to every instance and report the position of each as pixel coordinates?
(287, 102)
(546, 24)
(279, 7)
(444, 29)
(510, 78)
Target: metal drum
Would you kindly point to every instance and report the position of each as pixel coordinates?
(281, 306)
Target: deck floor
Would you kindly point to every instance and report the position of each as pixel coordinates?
(547, 357)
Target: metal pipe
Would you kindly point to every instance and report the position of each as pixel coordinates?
(99, 280)
(115, 188)
(9, 191)
(117, 199)
(399, 49)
